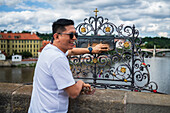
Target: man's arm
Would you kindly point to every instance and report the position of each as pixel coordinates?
(97, 49)
(74, 90)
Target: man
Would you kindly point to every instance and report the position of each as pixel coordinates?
(53, 81)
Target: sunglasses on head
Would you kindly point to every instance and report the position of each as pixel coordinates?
(70, 34)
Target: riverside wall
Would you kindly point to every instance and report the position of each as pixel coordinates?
(15, 98)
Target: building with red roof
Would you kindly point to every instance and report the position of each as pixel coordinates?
(19, 42)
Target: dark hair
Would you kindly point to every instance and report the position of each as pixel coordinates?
(59, 26)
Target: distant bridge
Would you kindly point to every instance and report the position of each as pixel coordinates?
(155, 51)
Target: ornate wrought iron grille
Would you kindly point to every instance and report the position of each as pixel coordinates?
(123, 67)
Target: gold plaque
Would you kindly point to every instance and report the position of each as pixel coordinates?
(126, 44)
(83, 29)
(95, 60)
(107, 29)
(123, 70)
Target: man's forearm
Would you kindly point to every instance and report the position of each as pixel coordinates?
(78, 51)
(97, 49)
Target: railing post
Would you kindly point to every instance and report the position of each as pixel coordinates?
(133, 42)
(95, 33)
(95, 68)
(95, 29)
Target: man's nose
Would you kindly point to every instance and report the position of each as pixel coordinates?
(74, 37)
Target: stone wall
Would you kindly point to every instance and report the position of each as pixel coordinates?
(15, 98)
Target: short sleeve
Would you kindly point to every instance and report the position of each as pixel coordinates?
(61, 73)
(66, 53)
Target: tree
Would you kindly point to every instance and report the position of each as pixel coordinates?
(26, 54)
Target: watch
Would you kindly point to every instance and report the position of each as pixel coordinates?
(90, 49)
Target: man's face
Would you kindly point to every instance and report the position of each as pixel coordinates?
(65, 42)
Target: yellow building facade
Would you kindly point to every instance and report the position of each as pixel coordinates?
(19, 42)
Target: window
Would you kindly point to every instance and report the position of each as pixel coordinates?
(16, 37)
(9, 36)
(16, 57)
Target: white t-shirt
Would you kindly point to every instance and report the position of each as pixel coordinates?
(52, 75)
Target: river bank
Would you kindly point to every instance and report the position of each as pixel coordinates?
(23, 63)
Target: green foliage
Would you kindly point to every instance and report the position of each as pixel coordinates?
(45, 36)
(26, 54)
(160, 42)
(26, 32)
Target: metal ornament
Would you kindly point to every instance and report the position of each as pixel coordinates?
(123, 67)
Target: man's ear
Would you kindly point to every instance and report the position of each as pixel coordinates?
(55, 36)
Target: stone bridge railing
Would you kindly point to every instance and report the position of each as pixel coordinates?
(15, 98)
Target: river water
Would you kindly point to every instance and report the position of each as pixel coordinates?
(159, 71)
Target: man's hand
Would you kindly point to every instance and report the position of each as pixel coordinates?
(100, 47)
(87, 90)
(87, 86)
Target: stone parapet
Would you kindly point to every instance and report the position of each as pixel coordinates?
(15, 98)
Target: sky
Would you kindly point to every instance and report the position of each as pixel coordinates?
(150, 17)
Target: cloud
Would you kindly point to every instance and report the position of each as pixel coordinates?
(11, 2)
(163, 34)
(157, 10)
(152, 27)
(149, 16)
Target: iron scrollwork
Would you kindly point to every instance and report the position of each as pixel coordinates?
(121, 68)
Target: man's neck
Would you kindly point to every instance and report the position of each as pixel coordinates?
(64, 51)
